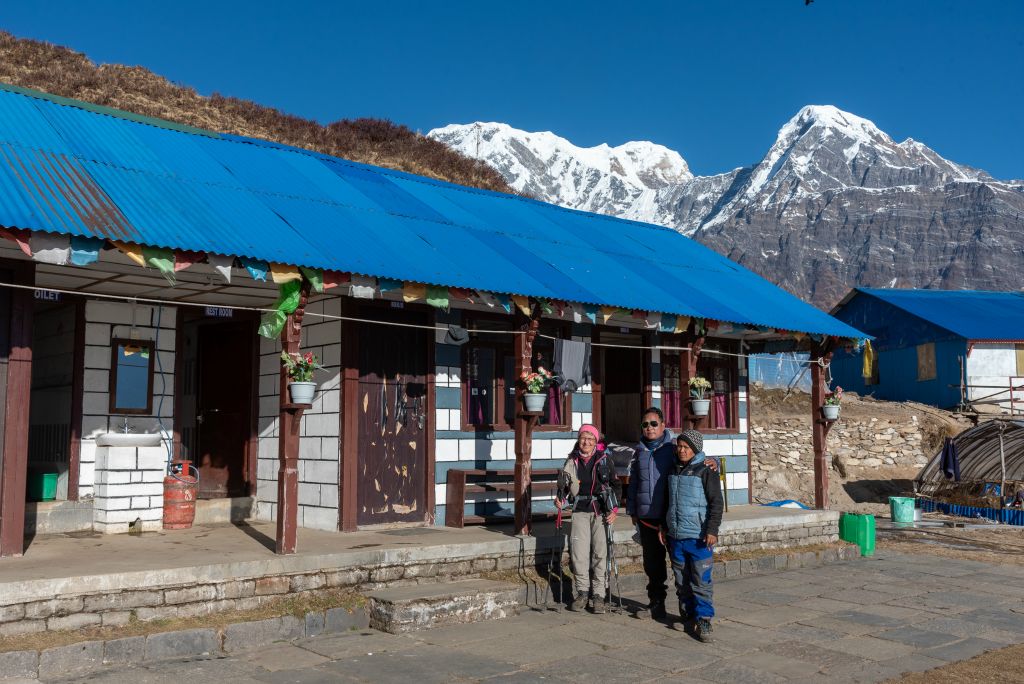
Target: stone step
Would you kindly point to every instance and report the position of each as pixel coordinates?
(422, 606)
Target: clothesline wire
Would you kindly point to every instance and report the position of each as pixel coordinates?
(353, 319)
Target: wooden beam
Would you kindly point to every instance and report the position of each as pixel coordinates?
(524, 422)
(821, 355)
(348, 472)
(288, 440)
(688, 369)
(14, 464)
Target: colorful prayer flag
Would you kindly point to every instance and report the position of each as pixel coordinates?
(389, 284)
(412, 292)
(50, 248)
(282, 273)
(363, 287)
(184, 259)
(162, 259)
(522, 303)
(335, 279)
(272, 322)
(256, 268)
(668, 323)
(85, 250)
(437, 296)
(221, 264)
(133, 252)
(315, 276)
(606, 313)
(19, 236)
(463, 294)
(682, 324)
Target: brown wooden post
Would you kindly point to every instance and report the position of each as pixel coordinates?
(688, 369)
(525, 422)
(455, 498)
(288, 439)
(821, 355)
(14, 442)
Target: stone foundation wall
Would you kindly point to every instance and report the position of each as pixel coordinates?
(196, 597)
(785, 444)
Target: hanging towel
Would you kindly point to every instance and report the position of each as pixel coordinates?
(869, 360)
(412, 292)
(19, 236)
(950, 460)
(282, 273)
(256, 268)
(572, 362)
(50, 248)
(184, 259)
(221, 264)
(363, 287)
(315, 276)
(85, 250)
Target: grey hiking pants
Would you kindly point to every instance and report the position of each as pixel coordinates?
(589, 553)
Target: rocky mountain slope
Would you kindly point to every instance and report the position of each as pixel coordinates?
(834, 203)
(60, 71)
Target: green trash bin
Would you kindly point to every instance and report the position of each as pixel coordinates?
(859, 530)
(901, 509)
(42, 486)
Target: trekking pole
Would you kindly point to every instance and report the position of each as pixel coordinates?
(613, 566)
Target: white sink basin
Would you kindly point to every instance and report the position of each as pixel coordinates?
(131, 439)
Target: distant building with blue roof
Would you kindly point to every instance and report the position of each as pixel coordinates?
(938, 347)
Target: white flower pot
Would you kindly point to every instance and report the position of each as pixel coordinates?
(534, 402)
(700, 407)
(830, 411)
(302, 392)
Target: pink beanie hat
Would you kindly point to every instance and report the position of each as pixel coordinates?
(587, 427)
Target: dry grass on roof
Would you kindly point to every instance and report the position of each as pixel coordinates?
(60, 71)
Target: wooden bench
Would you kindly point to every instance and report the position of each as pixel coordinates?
(474, 482)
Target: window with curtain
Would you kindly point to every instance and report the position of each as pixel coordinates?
(489, 380)
(721, 371)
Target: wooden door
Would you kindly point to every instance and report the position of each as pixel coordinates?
(622, 393)
(393, 422)
(225, 370)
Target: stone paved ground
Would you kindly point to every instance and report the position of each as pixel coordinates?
(860, 621)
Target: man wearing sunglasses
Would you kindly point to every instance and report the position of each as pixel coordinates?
(647, 500)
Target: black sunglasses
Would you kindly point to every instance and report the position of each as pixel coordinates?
(649, 423)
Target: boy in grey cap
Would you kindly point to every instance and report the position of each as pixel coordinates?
(692, 519)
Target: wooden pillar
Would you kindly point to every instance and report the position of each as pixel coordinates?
(16, 345)
(688, 369)
(821, 355)
(288, 438)
(525, 422)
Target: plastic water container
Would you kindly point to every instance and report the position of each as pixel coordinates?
(901, 509)
(859, 530)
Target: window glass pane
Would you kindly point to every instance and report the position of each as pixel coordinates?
(132, 368)
(481, 383)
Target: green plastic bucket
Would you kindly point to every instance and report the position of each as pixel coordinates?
(901, 509)
(859, 530)
(42, 486)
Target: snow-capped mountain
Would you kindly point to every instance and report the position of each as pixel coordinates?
(602, 179)
(834, 203)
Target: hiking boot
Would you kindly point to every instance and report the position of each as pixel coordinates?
(702, 630)
(657, 609)
(600, 605)
(577, 602)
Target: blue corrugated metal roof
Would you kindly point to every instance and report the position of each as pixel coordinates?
(71, 168)
(972, 314)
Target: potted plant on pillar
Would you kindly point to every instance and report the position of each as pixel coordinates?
(300, 369)
(536, 382)
(699, 403)
(832, 404)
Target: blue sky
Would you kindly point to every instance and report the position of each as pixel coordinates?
(712, 79)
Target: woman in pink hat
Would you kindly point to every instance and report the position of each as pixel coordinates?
(585, 481)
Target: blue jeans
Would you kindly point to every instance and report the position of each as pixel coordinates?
(691, 565)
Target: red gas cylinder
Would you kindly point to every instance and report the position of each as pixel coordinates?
(179, 497)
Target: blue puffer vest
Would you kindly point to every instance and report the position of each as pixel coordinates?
(687, 502)
(646, 492)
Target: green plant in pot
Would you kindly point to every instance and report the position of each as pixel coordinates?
(300, 369)
(699, 402)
